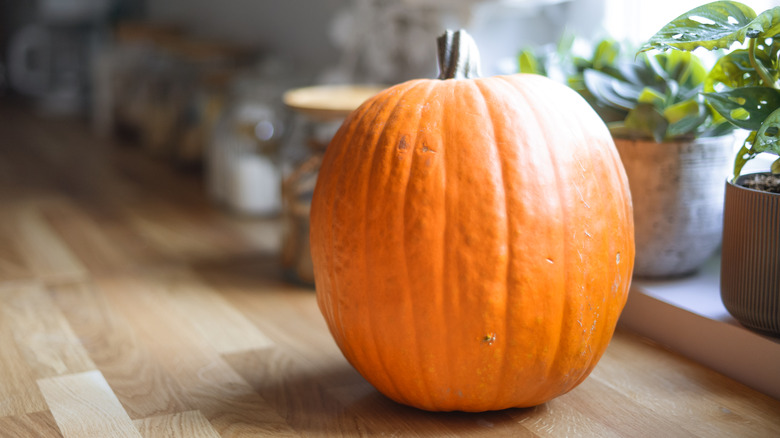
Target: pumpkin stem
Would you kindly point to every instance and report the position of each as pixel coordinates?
(458, 56)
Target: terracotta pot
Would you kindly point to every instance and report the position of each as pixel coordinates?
(677, 190)
(750, 265)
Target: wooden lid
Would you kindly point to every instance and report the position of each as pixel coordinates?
(329, 102)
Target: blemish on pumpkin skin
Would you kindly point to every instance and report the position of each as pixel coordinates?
(489, 339)
(403, 144)
(425, 149)
(616, 284)
(582, 198)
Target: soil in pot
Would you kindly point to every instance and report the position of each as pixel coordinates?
(762, 181)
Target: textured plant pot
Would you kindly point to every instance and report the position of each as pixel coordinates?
(677, 191)
(750, 265)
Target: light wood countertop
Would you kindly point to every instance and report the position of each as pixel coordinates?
(131, 306)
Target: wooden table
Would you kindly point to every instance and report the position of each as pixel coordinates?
(131, 306)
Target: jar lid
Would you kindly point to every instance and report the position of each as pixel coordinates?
(329, 102)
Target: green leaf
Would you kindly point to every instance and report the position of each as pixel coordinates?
(712, 26)
(565, 44)
(740, 114)
(712, 129)
(626, 90)
(776, 166)
(605, 54)
(652, 96)
(634, 72)
(683, 67)
(758, 102)
(681, 110)
(581, 63)
(655, 65)
(732, 70)
(687, 127)
(767, 24)
(768, 137)
(772, 49)
(603, 88)
(646, 121)
(745, 154)
(528, 63)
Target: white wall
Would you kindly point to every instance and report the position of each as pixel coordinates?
(295, 29)
(501, 29)
(299, 29)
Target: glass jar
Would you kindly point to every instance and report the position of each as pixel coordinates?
(242, 164)
(318, 113)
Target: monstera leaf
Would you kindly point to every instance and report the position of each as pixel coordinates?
(747, 107)
(743, 85)
(712, 26)
(735, 70)
(765, 139)
(768, 137)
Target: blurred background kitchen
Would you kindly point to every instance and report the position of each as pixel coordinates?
(201, 84)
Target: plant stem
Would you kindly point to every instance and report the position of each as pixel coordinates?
(458, 56)
(768, 81)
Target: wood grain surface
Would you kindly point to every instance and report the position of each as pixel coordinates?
(131, 306)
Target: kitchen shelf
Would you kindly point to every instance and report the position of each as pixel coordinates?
(687, 316)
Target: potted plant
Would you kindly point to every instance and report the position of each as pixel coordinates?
(743, 88)
(675, 149)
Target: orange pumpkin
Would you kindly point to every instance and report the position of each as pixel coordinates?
(472, 239)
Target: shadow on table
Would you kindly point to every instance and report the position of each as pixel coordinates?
(331, 398)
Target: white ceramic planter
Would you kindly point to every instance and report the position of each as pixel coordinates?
(677, 190)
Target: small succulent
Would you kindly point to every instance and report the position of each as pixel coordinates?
(655, 97)
(743, 85)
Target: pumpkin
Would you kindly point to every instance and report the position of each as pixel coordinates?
(472, 238)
